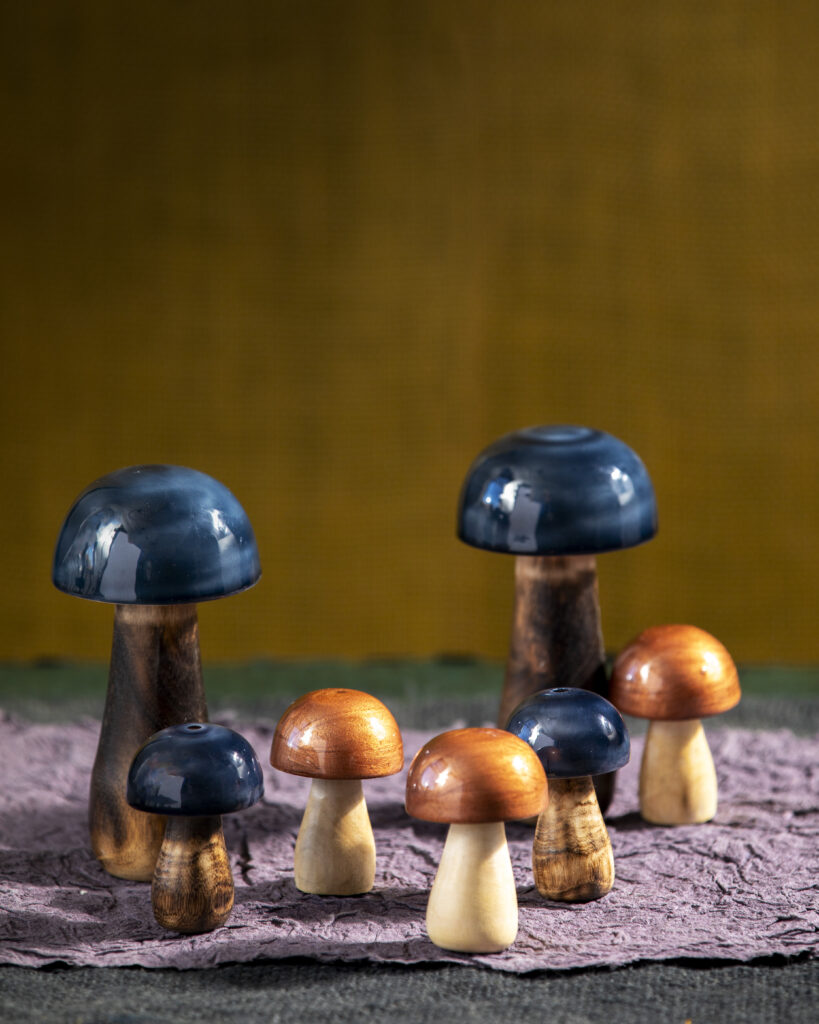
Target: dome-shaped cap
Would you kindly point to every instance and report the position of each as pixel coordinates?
(557, 490)
(670, 673)
(337, 734)
(574, 732)
(155, 535)
(472, 776)
(194, 769)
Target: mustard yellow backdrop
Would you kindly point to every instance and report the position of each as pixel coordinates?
(328, 251)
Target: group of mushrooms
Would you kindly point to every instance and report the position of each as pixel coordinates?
(155, 540)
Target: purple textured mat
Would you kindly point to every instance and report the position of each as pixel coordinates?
(740, 887)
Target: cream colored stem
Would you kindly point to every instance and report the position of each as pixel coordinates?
(678, 783)
(473, 905)
(335, 849)
(571, 854)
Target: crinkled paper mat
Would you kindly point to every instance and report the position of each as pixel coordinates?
(744, 886)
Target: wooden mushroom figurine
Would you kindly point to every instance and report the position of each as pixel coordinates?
(153, 541)
(193, 773)
(674, 676)
(474, 780)
(555, 497)
(576, 734)
(336, 737)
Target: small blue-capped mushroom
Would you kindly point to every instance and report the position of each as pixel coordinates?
(152, 540)
(555, 497)
(193, 773)
(576, 734)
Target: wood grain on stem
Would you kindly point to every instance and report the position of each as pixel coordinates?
(556, 638)
(192, 889)
(572, 858)
(155, 680)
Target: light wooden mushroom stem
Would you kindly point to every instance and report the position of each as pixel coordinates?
(678, 783)
(192, 890)
(473, 905)
(571, 855)
(556, 638)
(155, 680)
(335, 849)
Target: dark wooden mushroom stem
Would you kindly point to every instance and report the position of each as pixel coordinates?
(556, 636)
(155, 680)
(572, 859)
(192, 889)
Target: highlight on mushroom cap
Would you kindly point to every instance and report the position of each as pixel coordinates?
(473, 776)
(155, 534)
(557, 490)
(574, 732)
(672, 673)
(193, 769)
(337, 734)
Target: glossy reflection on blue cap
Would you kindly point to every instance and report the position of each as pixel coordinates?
(193, 769)
(155, 535)
(557, 490)
(574, 732)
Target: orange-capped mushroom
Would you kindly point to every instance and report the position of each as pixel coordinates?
(475, 780)
(675, 675)
(336, 737)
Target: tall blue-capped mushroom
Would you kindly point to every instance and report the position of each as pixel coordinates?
(555, 497)
(576, 734)
(193, 773)
(153, 541)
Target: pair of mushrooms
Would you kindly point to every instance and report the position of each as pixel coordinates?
(472, 779)
(154, 541)
(196, 772)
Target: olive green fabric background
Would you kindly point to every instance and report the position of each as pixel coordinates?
(327, 252)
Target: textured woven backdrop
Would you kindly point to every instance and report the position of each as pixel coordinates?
(328, 251)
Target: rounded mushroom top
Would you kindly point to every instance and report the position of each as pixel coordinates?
(337, 734)
(670, 673)
(574, 732)
(155, 535)
(194, 769)
(473, 776)
(557, 490)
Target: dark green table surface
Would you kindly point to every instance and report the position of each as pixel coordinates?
(421, 694)
(429, 694)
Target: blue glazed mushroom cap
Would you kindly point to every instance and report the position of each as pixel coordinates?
(574, 732)
(194, 769)
(557, 490)
(155, 535)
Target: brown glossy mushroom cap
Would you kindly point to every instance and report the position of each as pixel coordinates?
(471, 776)
(670, 673)
(337, 734)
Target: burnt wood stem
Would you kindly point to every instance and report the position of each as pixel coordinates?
(572, 859)
(155, 680)
(192, 889)
(556, 636)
